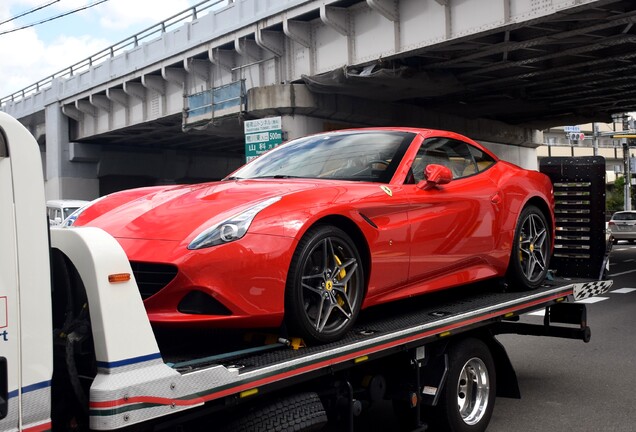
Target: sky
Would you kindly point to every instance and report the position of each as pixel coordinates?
(36, 52)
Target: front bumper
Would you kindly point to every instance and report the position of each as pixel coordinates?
(623, 235)
(245, 278)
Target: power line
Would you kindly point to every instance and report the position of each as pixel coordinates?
(30, 11)
(54, 17)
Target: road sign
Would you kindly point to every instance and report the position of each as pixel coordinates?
(571, 129)
(262, 135)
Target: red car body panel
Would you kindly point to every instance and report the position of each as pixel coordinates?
(412, 239)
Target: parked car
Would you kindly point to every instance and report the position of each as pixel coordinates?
(622, 226)
(323, 226)
(58, 210)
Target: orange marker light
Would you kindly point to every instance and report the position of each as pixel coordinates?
(119, 277)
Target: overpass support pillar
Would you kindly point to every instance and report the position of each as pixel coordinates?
(65, 179)
(296, 126)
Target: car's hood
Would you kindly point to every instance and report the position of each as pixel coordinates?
(176, 212)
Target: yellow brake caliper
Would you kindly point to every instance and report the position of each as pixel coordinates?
(341, 276)
(531, 248)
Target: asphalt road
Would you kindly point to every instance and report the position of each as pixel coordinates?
(568, 385)
(572, 386)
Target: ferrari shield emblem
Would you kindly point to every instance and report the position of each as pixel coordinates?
(387, 190)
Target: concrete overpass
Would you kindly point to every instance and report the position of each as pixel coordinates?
(167, 104)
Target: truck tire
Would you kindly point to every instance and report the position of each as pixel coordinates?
(468, 396)
(303, 412)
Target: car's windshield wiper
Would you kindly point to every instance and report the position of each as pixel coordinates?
(232, 178)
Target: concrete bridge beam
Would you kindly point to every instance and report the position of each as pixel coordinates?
(100, 102)
(119, 96)
(197, 69)
(336, 18)
(154, 83)
(271, 41)
(387, 8)
(512, 143)
(298, 31)
(222, 58)
(85, 107)
(135, 90)
(174, 75)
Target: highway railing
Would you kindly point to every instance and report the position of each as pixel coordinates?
(188, 15)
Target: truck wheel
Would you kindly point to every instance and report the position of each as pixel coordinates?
(325, 285)
(468, 397)
(302, 412)
(530, 256)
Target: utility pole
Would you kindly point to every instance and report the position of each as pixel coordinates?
(628, 177)
(624, 137)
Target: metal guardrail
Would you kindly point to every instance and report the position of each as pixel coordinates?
(133, 41)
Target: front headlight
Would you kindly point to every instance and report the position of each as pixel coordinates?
(70, 220)
(231, 229)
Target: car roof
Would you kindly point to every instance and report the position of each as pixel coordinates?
(624, 212)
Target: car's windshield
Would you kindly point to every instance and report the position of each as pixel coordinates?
(359, 156)
(624, 216)
(67, 211)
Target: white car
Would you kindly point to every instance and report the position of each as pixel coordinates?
(58, 210)
(623, 226)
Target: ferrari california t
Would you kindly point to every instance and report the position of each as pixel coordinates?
(323, 226)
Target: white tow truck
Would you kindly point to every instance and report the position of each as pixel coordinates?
(77, 351)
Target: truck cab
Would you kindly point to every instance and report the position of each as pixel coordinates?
(25, 314)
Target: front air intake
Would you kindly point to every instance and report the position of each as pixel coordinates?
(151, 277)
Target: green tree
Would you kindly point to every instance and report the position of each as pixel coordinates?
(614, 199)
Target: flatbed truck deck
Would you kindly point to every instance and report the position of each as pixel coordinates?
(396, 325)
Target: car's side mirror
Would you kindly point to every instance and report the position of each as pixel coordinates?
(435, 175)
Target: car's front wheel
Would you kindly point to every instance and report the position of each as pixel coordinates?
(531, 245)
(325, 285)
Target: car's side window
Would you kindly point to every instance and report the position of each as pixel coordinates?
(460, 157)
(482, 161)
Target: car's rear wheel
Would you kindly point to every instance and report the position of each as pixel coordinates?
(325, 285)
(530, 258)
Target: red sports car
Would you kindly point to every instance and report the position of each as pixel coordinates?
(323, 226)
